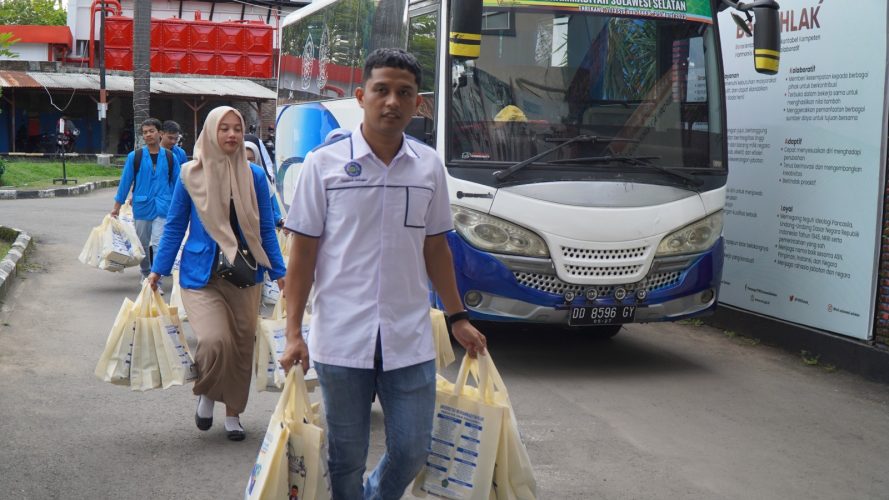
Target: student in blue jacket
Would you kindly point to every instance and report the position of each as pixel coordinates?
(170, 139)
(151, 173)
(226, 202)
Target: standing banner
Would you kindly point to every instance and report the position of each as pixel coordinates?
(807, 152)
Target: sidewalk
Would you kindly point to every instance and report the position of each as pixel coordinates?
(54, 192)
(22, 244)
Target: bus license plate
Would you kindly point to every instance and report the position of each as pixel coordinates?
(601, 315)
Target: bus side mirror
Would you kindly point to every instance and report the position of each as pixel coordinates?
(465, 39)
(766, 32)
(767, 39)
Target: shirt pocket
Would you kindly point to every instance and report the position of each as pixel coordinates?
(416, 206)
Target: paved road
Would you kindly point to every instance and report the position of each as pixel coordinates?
(663, 411)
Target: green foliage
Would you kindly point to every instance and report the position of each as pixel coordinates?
(39, 12)
(632, 51)
(809, 358)
(5, 42)
(38, 175)
(692, 322)
(2, 168)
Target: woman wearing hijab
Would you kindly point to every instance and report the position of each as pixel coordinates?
(226, 201)
(262, 159)
(252, 155)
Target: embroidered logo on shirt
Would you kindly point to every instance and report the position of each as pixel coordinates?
(353, 169)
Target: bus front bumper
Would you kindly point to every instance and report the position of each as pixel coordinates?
(498, 296)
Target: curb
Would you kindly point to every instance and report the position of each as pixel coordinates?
(13, 260)
(855, 356)
(22, 194)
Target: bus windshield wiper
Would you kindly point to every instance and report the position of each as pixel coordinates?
(642, 161)
(503, 174)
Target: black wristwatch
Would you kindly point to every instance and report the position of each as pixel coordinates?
(453, 318)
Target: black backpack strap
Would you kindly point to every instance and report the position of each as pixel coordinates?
(169, 155)
(137, 162)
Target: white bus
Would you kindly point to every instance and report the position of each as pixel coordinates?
(585, 143)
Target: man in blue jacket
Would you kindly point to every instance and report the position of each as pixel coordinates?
(170, 139)
(151, 173)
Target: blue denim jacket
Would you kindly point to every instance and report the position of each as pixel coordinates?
(199, 254)
(153, 190)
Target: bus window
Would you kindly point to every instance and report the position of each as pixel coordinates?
(421, 43)
(319, 55)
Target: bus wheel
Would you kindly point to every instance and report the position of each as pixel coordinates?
(603, 332)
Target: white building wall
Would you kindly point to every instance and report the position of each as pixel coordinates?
(28, 52)
(79, 14)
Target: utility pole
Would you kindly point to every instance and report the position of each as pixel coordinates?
(141, 66)
(103, 100)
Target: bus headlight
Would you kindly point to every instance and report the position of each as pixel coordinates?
(695, 237)
(493, 234)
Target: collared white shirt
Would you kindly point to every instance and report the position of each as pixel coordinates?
(370, 276)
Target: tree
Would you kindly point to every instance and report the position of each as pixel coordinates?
(39, 12)
(141, 66)
(5, 41)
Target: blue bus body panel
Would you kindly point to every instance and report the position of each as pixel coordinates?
(477, 270)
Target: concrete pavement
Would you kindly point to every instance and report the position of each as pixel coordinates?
(663, 411)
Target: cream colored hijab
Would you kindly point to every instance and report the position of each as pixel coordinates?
(212, 178)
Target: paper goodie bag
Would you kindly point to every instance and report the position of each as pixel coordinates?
(114, 363)
(176, 297)
(263, 362)
(291, 457)
(465, 435)
(270, 292)
(120, 246)
(444, 352)
(145, 369)
(270, 343)
(269, 477)
(306, 454)
(92, 249)
(513, 472)
(174, 357)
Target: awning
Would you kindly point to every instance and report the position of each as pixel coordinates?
(56, 35)
(230, 88)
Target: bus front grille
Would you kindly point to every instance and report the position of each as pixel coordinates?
(550, 283)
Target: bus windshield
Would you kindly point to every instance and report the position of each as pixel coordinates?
(644, 88)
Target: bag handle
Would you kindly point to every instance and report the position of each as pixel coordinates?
(149, 298)
(280, 310)
(294, 405)
(478, 368)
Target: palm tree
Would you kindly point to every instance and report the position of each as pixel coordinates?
(141, 65)
(632, 51)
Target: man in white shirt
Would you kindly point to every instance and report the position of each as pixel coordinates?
(370, 212)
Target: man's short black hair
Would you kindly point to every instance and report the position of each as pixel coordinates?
(392, 58)
(171, 127)
(151, 122)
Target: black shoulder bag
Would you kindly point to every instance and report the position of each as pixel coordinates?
(241, 272)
